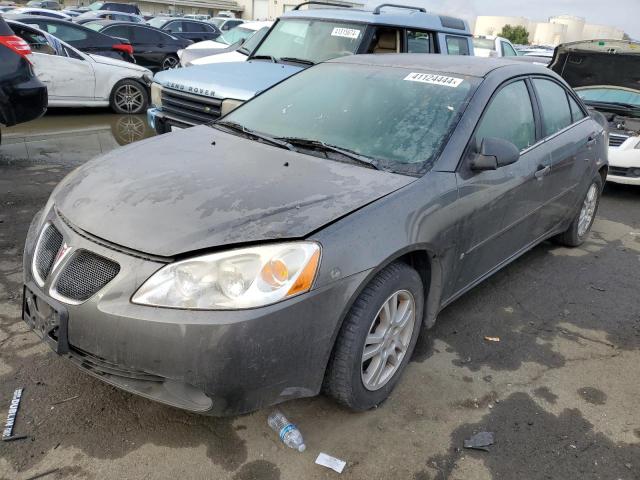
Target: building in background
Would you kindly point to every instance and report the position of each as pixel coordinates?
(272, 9)
(560, 29)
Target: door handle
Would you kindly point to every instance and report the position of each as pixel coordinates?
(591, 139)
(542, 171)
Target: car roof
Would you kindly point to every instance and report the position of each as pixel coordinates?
(409, 17)
(169, 19)
(25, 16)
(460, 64)
(255, 25)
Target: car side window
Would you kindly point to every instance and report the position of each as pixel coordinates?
(419, 42)
(146, 35)
(119, 31)
(37, 41)
(554, 106)
(509, 116)
(66, 33)
(457, 45)
(175, 27)
(194, 27)
(508, 51)
(576, 111)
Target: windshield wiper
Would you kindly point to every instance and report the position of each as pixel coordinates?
(619, 105)
(325, 147)
(297, 60)
(264, 57)
(238, 128)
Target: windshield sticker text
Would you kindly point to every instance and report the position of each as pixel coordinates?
(345, 32)
(434, 79)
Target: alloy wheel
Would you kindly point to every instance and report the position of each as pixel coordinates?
(388, 340)
(169, 62)
(588, 210)
(129, 98)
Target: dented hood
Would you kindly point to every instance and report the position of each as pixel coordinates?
(178, 193)
(598, 63)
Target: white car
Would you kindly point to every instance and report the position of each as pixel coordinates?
(76, 79)
(37, 11)
(226, 23)
(222, 49)
(491, 46)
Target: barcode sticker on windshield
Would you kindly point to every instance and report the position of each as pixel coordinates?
(345, 32)
(434, 79)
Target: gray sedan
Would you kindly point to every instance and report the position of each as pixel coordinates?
(304, 240)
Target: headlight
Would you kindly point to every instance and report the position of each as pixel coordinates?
(242, 278)
(156, 94)
(229, 105)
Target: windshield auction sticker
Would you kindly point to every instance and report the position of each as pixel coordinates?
(345, 32)
(434, 79)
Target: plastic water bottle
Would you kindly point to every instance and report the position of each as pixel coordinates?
(288, 432)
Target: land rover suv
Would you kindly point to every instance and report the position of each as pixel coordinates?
(300, 38)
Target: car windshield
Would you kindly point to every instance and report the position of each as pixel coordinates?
(96, 6)
(616, 96)
(400, 120)
(311, 40)
(253, 41)
(217, 21)
(34, 3)
(484, 43)
(234, 35)
(96, 27)
(158, 22)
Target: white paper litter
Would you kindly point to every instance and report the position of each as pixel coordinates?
(333, 463)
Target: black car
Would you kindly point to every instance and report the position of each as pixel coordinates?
(152, 48)
(113, 6)
(48, 4)
(22, 96)
(194, 30)
(90, 16)
(81, 37)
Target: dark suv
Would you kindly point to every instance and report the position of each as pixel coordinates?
(22, 96)
(114, 7)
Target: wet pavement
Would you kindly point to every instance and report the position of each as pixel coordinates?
(559, 390)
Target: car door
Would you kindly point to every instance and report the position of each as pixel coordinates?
(152, 46)
(177, 28)
(500, 207)
(568, 145)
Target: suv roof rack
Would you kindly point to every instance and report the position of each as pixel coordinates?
(382, 5)
(317, 2)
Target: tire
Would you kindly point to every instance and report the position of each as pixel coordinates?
(350, 379)
(577, 232)
(169, 62)
(129, 97)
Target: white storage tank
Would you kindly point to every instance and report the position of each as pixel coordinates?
(594, 31)
(575, 26)
(549, 34)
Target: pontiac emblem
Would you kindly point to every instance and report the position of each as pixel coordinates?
(62, 253)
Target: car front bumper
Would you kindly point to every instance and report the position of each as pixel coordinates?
(212, 362)
(623, 179)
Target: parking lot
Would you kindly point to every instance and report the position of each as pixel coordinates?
(559, 389)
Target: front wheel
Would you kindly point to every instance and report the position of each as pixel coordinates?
(129, 97)
(579, 229)
(169, 62)
(377, 338)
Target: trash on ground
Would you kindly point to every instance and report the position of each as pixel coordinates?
(492, 339)
(333, 463)
(288, 432)
(480, 441)
(11, 416)
(66, 400)
(43, 474)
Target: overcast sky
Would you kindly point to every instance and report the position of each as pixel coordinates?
(624, 14)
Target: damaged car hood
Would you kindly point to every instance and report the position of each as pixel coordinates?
(179, 192)
(599, 62)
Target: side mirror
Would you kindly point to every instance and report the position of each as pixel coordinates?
(494, 153)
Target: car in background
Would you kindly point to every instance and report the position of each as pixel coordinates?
(298, 40)
(77, 79)
(37, 11)
(492, 46)
(107, 15)
(226, 23)
(23, 96)
(194, 30)
(131, 8)
(152, 48)
(6, 8)
(72, 13)
(233, 46)
(48, 4)
(304, 242)
(81, 37)
(604, 74)
(195, 16)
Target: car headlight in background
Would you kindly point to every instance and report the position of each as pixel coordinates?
(156, 94)
(242, 278)
(229, 105)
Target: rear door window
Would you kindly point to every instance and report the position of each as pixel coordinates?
(457, 45)
(194, 27)
(146, 35)
(419, 42)
(509, 116)
(66, 33)
(120, 31)
(576, 111)
(554, 105)
(508, 51)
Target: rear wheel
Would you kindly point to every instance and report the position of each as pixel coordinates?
(377, 338)
(170, 61)
(579, 229)
(129, 96)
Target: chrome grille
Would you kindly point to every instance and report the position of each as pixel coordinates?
(84, 275)
(189, 109)
(616, 140)
(46, 251)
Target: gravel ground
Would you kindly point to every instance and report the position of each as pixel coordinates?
(559, 390)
